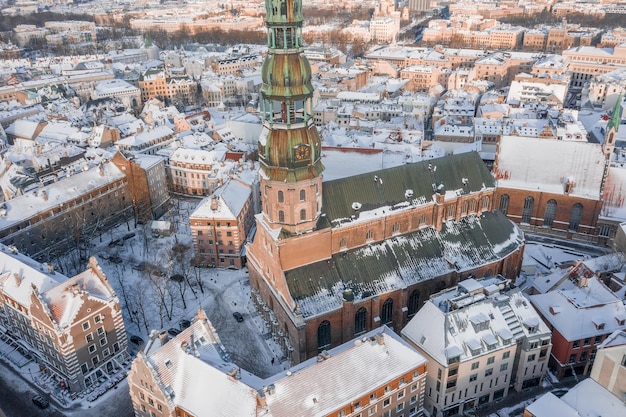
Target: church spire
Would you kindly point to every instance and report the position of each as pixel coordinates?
(289, 144)
(616, 117)
(611, 128)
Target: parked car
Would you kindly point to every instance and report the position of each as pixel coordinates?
(115, 242)
(116, 259)
(237, 315)
(136, 340)
(173, 332)
(128, 235)
(183, 324)
(40, 401)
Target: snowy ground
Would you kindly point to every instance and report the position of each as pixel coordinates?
(150, 300)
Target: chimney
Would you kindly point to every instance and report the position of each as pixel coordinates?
(163, 337)
(51, 269)
(271, 389)
(380, 338)
(18, 279)
(214, 203)
(44, 195)
(101, 170)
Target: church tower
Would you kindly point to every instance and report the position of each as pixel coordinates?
(289, 144)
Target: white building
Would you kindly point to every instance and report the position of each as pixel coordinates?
(479, 340)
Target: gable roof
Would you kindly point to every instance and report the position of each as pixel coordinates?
(402, 261)
(387, 189)
(546, 165)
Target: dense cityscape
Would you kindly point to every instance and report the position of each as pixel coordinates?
(286, 208)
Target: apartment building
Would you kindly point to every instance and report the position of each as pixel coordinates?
(147, 184)
(602, 394)
(480, 340)
(147, 142)
(198, 172)
(234, 65)
(586, 62)
(72, 327)
(220, 225)
(582, 312)
(73, 204)
(158, 84)
(128, 94)
(377, 374)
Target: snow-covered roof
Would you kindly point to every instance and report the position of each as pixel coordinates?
(589, 398)
(58, 193)
(316, 388)
(19, 274)
(456, 323)
(547, 165)
(227, 202)
(549, 405)
(578, 312)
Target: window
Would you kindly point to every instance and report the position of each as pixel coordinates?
(451, 384)
(527, 212)
(473, 377)
(86, 325)
(387, 314)
(92, 348)
(504, 203)
(400, 407)
(323, 335)
(281, 197)
(103, 341)
(386, 402)
(281, 216)
(531, 357)
(490, 360)
(453, 372)
(414, 300)
(89, 337)
(572, 358)
(543, 353)
(100, 331)
(504, 367)
(369, 235)
(359, 321)
(302, 195)
(488, 371)
(105, 352)
(413, 399)
(575, 217)
(548, 217)
(302, 214)
(506, 354)
(583, 357)
(372, 411)
(372, 397)
(576, 344)
(475, 365)
(396, 227)
(97, 319)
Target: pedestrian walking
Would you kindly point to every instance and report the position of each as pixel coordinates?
(273, 361)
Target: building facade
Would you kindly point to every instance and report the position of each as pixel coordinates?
(385, 377)
(220, 225)
(480, 340)
(73, 327)
(361, 268)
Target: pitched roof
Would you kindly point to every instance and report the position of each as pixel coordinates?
(402, 261)
(387, 189)
(546, 165)
(317, 388)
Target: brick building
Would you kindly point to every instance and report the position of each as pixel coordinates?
(330, 261)
(376, 375)
(220, 225)
(73, 327)
(549, 185)
(581, 312)
(81, 204)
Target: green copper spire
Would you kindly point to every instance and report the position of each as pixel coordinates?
(616, 117)
(289, 146)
